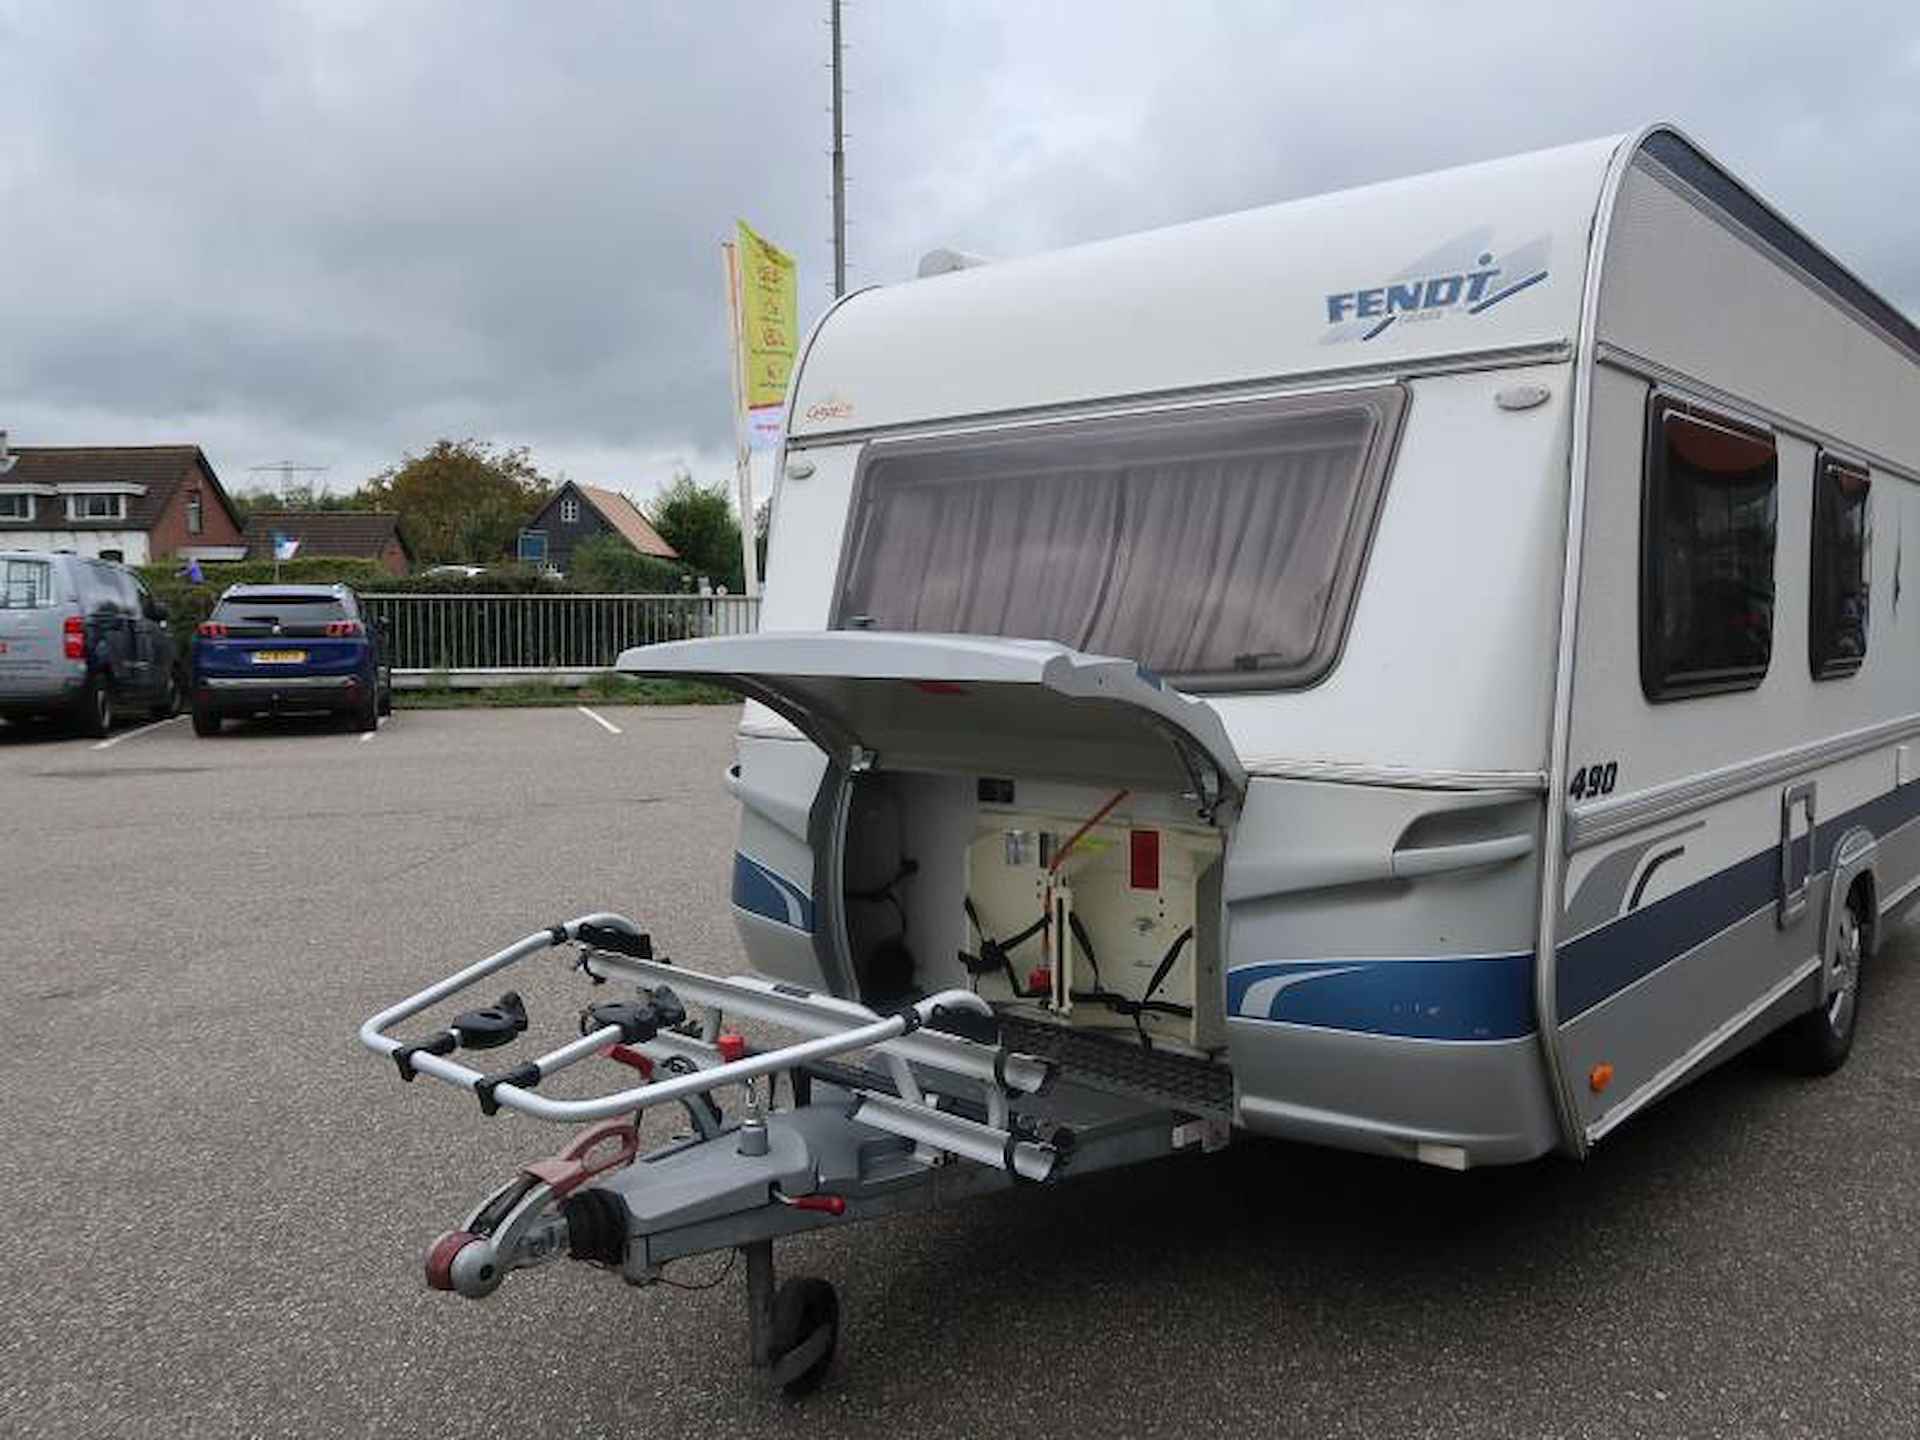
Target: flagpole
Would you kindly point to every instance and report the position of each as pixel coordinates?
(742, 447)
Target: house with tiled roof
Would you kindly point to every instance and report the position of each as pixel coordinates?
(343, 534)
(136, 503)
(578, 513)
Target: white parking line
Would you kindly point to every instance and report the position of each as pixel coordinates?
(600, 720)
(366, 735)
(113, 740)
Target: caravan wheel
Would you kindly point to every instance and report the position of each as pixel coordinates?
(1819, 1042)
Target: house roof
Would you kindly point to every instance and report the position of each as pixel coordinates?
(159, 468)
(361, 534)
(621, 513)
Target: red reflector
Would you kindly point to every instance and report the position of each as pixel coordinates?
(1143, 859)
(730, 1046)
(938, 687)
(338, 628)
(1039, 980)
(212, 629)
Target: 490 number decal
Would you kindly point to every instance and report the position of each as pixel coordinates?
(1595, 779)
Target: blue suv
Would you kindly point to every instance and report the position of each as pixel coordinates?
(282, 649)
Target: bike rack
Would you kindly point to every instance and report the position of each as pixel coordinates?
(619, 948)
(857, 1142)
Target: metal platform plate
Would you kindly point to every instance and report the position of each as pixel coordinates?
(1120, 1067)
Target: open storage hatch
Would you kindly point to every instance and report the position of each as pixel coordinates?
(1037, 825)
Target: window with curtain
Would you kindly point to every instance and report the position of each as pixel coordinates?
(1219, 547)
(1842, 574)
(1709, 511)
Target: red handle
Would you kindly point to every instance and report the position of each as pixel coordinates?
(631, 1058)
(570, 1169)
(826, 1204)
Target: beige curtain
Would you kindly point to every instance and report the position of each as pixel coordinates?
(1195, 549)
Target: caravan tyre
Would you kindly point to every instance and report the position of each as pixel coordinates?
(1819, 1042)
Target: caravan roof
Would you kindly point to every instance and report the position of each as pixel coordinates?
(1481, 259)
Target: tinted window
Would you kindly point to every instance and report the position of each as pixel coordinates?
(1208, 545)
(1842, 559)
(280, 610)
(25, 584)
(1708, 514)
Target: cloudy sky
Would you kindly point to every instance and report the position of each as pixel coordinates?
(332, 232)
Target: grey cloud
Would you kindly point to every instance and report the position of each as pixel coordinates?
(335, 231)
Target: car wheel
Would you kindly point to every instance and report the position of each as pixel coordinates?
(168, 704)
(206, 721)
(93, 714)
(1819, 1042)
(364, 716)
(386, 700)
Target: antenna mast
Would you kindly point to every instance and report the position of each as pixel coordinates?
(839, 162)
(286, 470)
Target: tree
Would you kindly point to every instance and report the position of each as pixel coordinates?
(463, 500)
(608, 565)
(698, 521)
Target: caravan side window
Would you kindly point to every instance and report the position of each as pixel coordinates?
(1709, 510)
(1842, 551)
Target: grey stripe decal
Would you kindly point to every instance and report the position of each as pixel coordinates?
(1602, 821)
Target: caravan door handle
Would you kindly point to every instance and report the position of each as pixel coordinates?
(1468, 855)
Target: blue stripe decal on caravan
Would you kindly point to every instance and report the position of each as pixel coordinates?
(1600, 964)
(1491, 997)
(1467, 997)
(759, 890)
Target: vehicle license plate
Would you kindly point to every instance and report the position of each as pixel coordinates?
(278, 657)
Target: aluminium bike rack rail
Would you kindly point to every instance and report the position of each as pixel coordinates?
(946, 1109)
(618, 947)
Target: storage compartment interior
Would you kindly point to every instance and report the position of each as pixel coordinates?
(1096, 908)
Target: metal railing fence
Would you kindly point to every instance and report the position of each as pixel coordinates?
(543, 634)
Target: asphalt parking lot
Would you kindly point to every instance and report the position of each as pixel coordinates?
(218, 1201)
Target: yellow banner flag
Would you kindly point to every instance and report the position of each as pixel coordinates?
(768, 302)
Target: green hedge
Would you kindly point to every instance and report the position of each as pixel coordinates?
(607, 565)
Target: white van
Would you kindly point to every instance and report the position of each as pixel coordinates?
(1514, 705)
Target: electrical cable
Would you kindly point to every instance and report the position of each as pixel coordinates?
(1060, 855)
(718, 1275)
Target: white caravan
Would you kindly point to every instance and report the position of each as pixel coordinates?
(1516, 699)
(1422, 669)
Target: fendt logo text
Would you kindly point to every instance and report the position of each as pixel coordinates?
(1443, 283)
